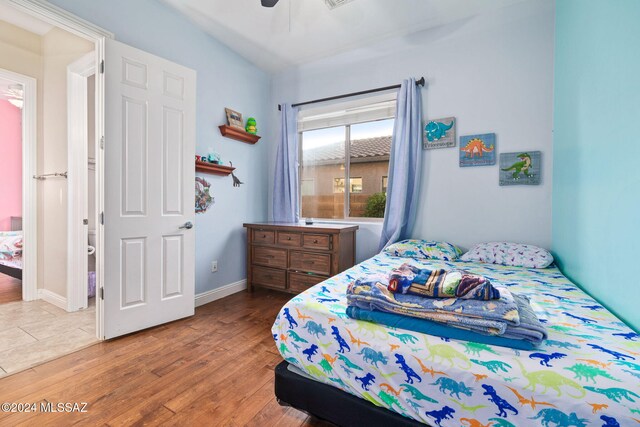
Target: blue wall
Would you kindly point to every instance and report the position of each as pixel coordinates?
(596, 182)
(508, 89)
(225, 79)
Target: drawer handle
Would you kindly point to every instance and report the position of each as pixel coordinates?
(289, 238)
(264, 236)
(315, 241)
(308, 262)
(268, 276)
(269, 256)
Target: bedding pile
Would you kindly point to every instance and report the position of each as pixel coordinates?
(509, 316)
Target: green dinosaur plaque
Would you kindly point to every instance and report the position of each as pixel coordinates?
(521, 168)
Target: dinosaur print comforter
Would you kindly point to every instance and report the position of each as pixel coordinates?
(586, 374)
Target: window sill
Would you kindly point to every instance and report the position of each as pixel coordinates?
(356, 221)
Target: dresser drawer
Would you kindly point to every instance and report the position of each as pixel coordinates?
(269, 277)
(264, 236)
(311, 262)
(270, 257)
(299, 282)
(316, 241)
(290, 240)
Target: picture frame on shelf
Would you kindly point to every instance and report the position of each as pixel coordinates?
(234, 119)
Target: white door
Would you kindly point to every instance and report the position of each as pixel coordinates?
(149, 196)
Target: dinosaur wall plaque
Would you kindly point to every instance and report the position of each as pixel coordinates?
(439, 133)
(478, 150)
(520, 168)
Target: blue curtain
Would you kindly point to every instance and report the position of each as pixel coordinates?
(404, 166)
(285, 186)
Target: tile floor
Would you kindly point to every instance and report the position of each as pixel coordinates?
(34, 332)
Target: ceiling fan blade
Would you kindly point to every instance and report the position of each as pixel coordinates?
(269, 3)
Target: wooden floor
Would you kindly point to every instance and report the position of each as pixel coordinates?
(214, 369)
(10, 289)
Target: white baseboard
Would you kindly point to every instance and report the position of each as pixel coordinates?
(221, 292)
(52, 298)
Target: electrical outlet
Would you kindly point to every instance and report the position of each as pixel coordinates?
(214, 266)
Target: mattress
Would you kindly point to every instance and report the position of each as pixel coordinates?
(586, 373)
(11, 248)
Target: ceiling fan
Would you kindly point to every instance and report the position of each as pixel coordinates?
(331, 4)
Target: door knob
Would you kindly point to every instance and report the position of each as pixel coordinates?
(188, 225)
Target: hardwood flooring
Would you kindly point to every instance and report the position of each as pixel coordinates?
(214, 369)
(10, 289)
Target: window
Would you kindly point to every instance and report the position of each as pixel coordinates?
(339, 147)
(355, 185)
(385, 183)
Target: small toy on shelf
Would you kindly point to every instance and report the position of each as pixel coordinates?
(251, 126)
(213, 157)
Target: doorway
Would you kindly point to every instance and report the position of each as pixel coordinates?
(36, 321)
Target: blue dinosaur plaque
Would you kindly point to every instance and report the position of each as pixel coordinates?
(440, 133)
(520, 168)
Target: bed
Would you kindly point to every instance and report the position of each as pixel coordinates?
(586, 373)
(11, 253)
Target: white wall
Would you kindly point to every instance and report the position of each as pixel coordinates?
(59, 49)
(494, 74)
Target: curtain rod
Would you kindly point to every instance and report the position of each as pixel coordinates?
(419, 82)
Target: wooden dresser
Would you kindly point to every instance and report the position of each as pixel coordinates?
(294, 257)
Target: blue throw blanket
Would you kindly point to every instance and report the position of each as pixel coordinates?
(434, 328)
(530, 329)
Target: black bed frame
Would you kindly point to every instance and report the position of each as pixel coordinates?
(11, 271)
(332, 404)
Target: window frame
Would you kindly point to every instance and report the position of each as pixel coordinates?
(347, 178)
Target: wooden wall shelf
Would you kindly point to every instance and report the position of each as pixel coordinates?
(207, 167)
(238, 134)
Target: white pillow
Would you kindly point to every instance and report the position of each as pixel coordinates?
(513, 254)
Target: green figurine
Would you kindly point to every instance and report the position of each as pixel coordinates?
(251, 126)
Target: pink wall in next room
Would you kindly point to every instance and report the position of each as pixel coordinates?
(10, 163)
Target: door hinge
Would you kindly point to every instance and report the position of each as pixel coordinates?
(102, 67)
(102, 142)
(102, 218)
(101, 293)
